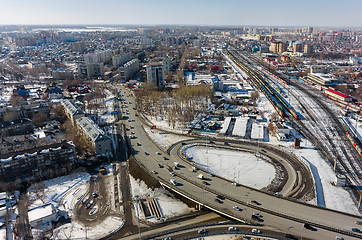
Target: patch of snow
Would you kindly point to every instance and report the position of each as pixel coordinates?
(170, 207)
(241, 167)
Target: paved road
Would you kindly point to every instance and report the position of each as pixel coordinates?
(279, 213)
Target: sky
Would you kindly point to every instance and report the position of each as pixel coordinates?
(332, 13)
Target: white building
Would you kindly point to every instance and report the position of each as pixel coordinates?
(156, 75)
(72, 110)
(129, 69)
(121, 59)
(42, 215)
(90, 70)
(99, 140)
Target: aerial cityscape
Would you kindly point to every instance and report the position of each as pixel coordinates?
(167, 120)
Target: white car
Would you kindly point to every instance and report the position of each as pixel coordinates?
(254, 230)
(232, 229)
(236, 208)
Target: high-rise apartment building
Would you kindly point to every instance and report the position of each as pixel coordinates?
(297, 47)
(156, 75)
(129, 69)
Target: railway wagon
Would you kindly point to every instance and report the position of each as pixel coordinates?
(355, 143)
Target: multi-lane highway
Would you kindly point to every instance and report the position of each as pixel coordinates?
(282, 214)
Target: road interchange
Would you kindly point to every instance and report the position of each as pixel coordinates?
(277, 212)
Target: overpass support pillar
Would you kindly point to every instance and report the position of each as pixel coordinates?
(198, 207)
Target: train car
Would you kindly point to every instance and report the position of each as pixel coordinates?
(357, 145)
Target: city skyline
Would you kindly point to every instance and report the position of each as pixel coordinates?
(141, 12)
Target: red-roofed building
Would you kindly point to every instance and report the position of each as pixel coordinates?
(337, 95)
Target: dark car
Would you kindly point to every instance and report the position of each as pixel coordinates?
(220, 197)
(289, 236)
(356, 230)
(205, 183)
(255, 202)
(309, 227)
(218, 200)
(256, 218)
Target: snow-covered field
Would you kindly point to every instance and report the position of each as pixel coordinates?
(241, 167)
(336, 198)
(170, 206)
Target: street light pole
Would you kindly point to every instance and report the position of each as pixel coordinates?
(138, 218)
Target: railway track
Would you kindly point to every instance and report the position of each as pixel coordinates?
(337, 148)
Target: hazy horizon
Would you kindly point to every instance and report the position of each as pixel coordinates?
(283, 13)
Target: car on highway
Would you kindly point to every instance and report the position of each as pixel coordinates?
(255, 230)
(165, 158)
(202, 231)
(172, 174)
(237, 208)
(356, 230)
(158, 153)
(339, 238)
(232, 229)
(359, 222)
(205, 183)
(160, 165)
(154, 172)
(220, 197)
(258, 214)
(218, 200)
(256, 218)
(308, 226)
(139, 144)
(289, 236)
(167, 238)
(255, 202)
(147, 153)
(226, 144)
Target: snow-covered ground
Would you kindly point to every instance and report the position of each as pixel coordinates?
(164, 139)
(64, 192)
(75, 230)
(241, 167)
(170, 206)
(59, 190)
(163, 123)
(336, 198)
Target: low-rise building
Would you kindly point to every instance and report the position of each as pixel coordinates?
(25, 111)
(27, 163)
(16, 127)
(61, 74)
(99, 140)
(42, 215)
(335, 95)
(72, 110)
(322, 79)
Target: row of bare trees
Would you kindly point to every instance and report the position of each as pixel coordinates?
(177, 106)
